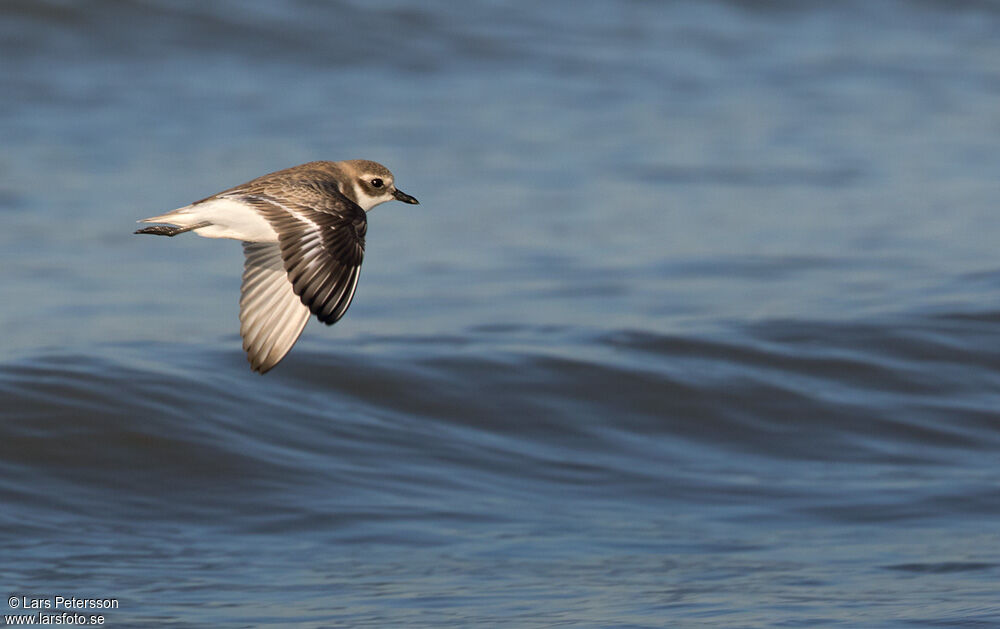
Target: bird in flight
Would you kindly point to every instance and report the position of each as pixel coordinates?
(303, 233)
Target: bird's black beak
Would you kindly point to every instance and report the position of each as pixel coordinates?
(399, 195)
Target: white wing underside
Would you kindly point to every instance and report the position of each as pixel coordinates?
(271, 314)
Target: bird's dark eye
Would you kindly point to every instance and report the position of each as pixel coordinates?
(376, 183)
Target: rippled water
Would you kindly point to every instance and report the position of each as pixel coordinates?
(697, 323)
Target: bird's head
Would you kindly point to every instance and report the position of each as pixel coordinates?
(369, 184)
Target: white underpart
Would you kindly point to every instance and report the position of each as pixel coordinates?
(229, 218)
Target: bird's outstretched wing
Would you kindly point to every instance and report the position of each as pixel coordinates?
(322, 243)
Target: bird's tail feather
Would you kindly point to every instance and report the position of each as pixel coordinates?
(181, 217)
(175, 222)
(170, 230)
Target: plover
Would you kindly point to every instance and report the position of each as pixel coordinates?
(303, 233)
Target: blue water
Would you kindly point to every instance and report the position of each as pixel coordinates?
(697, 324)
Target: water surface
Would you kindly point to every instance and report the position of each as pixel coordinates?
(696, 324)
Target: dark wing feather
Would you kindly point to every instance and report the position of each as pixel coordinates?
(322, 246)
